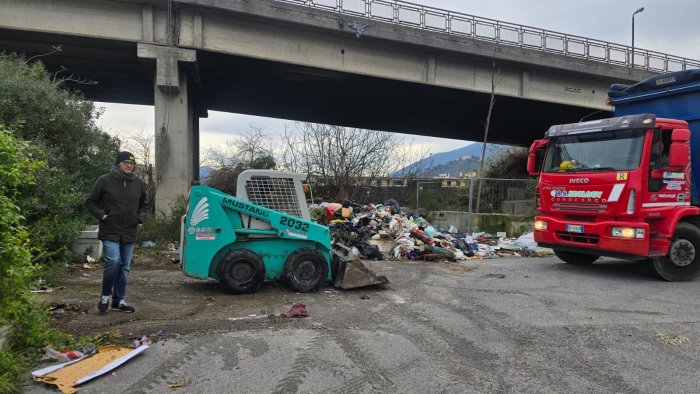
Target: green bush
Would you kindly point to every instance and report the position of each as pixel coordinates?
(11, 369)
(62, 125)
(161, 227)
(51, 153)
(28, 321)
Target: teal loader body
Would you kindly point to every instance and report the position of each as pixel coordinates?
(216, 226)
(265, 233)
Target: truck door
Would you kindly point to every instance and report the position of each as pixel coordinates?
(667, 186)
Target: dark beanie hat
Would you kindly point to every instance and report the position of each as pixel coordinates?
(121, 156)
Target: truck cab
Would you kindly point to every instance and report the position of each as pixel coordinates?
(619, 187)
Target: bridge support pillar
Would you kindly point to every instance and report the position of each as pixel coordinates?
(176, 145)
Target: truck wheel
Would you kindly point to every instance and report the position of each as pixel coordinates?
(241, 271)
(576, 258)
(682, 263)
(306, 270)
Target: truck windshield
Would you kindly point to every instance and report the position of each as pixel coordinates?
(610, 151)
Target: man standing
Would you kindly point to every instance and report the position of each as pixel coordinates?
(118, 202)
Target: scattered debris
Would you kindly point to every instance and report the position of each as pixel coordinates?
(144, 341)
(117, 334)
(672, 339)
(249, 317)
(62, 356)
(298, 310)
(178, 385)
(61, 308)
(41, 289)
(364, 296)
(376, 231)
(66, 376)
(148, 244)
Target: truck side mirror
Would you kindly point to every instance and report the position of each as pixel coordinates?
(535, 157)
(679, 154)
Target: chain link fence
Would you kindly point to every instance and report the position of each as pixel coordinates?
(504, 196)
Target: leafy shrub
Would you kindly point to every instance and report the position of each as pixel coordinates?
(511, 164)
(27, 320)
(62, 125)
(164, 227)
(51, 152)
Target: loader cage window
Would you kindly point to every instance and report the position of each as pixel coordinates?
(619, 150)
(274, 193)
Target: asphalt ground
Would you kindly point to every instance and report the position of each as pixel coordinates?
(505, 325)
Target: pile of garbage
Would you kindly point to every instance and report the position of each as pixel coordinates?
(384, 231)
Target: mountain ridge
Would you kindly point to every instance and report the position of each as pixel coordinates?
(447, 162)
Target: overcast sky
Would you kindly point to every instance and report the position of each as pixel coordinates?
(668, 26)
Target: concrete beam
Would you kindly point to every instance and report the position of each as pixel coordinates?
(276, 13)
(105, 19)
(167, 60)
(398, 61)
(147, 23)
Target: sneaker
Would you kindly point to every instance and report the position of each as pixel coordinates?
(123, 307)
(103, 304)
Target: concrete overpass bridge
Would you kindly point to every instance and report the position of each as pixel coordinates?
(377, 64)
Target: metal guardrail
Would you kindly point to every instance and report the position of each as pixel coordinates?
(459, 24)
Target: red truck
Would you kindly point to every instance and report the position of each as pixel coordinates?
(625, 187)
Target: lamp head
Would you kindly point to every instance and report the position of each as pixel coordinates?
(640, 9)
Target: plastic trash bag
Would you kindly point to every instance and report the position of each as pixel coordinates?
(527, 241)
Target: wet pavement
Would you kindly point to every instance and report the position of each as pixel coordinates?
(532, 325)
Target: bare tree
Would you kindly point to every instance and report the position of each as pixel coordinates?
(142, 145)
(341, 159)
(492, 100)
(251, 149)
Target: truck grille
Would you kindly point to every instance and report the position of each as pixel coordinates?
(579, 218)
(580, 207)
(588, 239)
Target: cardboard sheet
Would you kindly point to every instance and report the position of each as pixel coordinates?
(73, 373)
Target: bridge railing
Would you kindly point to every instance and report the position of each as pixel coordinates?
(460, 24)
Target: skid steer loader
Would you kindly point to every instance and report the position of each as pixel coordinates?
(264, 233)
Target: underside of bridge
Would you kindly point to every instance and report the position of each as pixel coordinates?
(228, 83)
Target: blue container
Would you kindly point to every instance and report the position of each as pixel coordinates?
(672, 95)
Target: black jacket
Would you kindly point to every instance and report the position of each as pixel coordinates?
(123, 198)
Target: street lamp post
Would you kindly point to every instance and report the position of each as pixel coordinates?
(640, 9)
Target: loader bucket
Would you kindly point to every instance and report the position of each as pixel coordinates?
(350, 272)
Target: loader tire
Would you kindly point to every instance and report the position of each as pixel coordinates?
(241, 271)
(682, 263)
(575, 258)
(306, 270)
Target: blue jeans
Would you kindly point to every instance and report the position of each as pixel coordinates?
(116, 269)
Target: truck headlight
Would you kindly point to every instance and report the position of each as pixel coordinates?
(628, 232)
(540, 225)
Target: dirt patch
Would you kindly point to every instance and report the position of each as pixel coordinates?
(167, 300)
